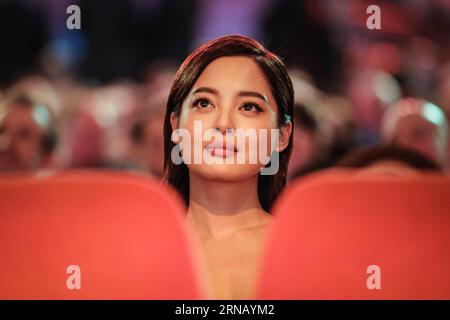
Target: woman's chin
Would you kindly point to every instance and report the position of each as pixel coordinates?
(226, 172)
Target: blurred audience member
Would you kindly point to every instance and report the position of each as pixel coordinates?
(388, 159)
(371, 92)
(336, 114)
(305, 91)
(146, 131)
(97, 135)
(147, 143)
(38, 89)
(85, 142)
(306, 149)
(418, 125)
(27, 135)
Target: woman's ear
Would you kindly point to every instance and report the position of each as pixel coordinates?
(174, 122)
(285, 134)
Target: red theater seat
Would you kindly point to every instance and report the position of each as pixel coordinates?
(332, 226)
(125, 233)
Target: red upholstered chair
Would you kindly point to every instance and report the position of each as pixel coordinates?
(124, 232)
(331, 227)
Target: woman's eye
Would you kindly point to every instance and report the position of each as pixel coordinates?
(202, 103)
(251, 107)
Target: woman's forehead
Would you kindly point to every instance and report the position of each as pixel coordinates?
(234, 74)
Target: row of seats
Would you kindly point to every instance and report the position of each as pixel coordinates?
(125, 233)
(336, 235)
(334, 228)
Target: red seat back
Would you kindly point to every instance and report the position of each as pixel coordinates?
(124, 232)
(330, 228)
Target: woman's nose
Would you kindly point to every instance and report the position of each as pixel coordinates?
(225, 122)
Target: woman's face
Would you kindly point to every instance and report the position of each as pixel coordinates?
(231, 94)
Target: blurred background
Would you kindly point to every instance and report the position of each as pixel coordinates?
(95, 97)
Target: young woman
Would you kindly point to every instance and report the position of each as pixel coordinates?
(228, 84)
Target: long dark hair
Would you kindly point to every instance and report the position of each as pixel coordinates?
(269, 186)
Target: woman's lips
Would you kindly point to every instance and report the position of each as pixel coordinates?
(220, 152)
(221, 149)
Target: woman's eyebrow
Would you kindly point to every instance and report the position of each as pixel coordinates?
(253, 94)
(246, 93)
(205, 89)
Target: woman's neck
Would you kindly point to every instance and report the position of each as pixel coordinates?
(218, 208)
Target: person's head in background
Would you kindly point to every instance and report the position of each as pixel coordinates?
(418, 125)
(388, 160)
(27, 135)
(146, 131)
(320, 137)
(370, 93)
(338, 125)
(148, 142)
(233, 83)
(305, 147)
